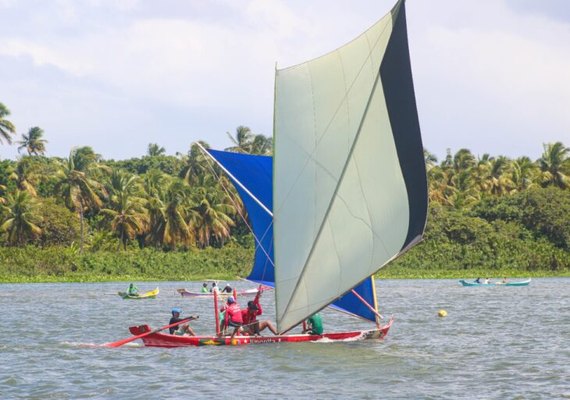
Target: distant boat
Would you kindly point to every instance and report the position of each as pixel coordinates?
(246, 292)
(148, 295)
(519, 283)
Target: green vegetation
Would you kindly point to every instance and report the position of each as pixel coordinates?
(57, 264)
(159, 217)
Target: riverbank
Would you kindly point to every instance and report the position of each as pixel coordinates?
(55, 264)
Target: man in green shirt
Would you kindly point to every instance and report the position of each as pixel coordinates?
(133, 290)
(314, 325)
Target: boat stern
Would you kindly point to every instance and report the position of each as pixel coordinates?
(138, 330)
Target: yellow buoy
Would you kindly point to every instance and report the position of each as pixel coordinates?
(442, 313)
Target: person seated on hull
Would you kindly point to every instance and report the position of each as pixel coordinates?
(133, 290)
(487, 280)
(222, 319)
(182, 329)
(233, 316)
(204, 288)
(227, 289)
(504, 280)
(214, 288)
(251, 325)
(478, 280)
(313, 325)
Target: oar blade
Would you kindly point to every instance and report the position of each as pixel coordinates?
(119, 343)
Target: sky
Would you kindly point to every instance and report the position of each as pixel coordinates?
(492, 76)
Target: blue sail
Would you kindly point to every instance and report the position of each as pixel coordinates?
(252, 176)
(255, 174)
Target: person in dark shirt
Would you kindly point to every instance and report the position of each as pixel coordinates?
(227, 289)
(182, 329)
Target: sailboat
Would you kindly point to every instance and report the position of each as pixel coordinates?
(345, 192)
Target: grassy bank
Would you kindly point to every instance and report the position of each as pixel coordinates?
(426, 273)
(56, 264)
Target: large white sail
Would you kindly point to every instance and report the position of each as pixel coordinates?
(349, 179)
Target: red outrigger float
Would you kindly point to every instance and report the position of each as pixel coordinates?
(166, 340)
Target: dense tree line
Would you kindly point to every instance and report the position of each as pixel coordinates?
(484, 211)
(159, 201)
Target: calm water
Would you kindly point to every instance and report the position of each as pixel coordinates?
(495, 343)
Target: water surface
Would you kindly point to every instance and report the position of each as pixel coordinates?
(495, 343)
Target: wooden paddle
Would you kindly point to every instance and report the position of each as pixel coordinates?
(132, 338)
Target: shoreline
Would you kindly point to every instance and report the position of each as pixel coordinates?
(398, 275)
(232, 262)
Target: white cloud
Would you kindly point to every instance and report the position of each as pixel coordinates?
(497, 83)
(478, 66)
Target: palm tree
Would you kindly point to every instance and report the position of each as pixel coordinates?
(492, 175)
(79, 192)
(155, 185)
(261, 145)
(33, 141)
(463, 160)
(552, 165)
(155, 150)
(197, 165)
(155, 182)
(212, 217)
(24, 175)
(156, 211)
(243, 140)
(453, 181)
(501, 182)
(84, 157)
(6, 127)
(523, 173)
(126, 211)
(176, 209)
(439, 190)
(20, 218)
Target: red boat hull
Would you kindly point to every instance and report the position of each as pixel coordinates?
(166, 340)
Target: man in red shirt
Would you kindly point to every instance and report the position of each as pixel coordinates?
(249, 318)
(233, 316)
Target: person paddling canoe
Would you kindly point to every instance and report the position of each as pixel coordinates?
(182, 328)
(133, 290)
